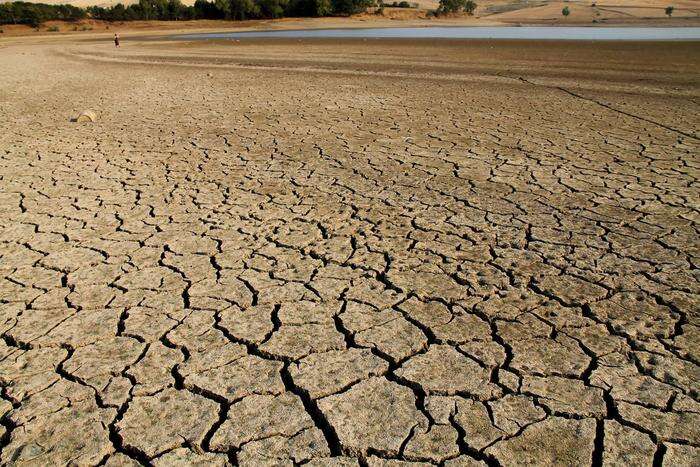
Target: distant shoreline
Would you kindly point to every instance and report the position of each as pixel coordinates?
(191, 27)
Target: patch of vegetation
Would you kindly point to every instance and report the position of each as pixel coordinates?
(34, 14)
(453, 6)
(53, 29)
(403, 4)
(565, 11)
(669, 11)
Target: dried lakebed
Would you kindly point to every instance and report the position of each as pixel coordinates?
(283, 254)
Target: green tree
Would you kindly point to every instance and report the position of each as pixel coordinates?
(210, 10)
(350, 7)
(224, 6)
(272, 8)
(565, 11)
(669, 11)
(450, 6)
(309, 8)
(470, 7)
(244, 9)
(453, 6)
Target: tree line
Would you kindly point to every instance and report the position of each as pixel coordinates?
(34, 14)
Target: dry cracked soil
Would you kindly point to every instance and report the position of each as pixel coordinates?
(374, 253)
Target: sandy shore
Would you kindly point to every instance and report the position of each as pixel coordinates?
(349, 252)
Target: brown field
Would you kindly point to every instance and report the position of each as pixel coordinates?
(343, 253)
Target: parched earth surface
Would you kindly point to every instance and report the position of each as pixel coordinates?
(343, 253)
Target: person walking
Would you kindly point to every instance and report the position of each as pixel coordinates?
(116, 40)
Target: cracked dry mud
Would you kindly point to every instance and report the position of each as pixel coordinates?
(281, 253)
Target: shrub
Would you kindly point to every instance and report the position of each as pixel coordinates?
(470, 7)
(453, 6)
(244, 9)
(669, 11)
(565, 11)
(350, 7)
(53, 29)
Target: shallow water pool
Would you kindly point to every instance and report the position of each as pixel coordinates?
(471, 32)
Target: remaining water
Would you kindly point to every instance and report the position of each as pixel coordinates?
(478, 32)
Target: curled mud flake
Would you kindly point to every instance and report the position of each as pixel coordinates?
(77, 434)
(464, 461)
(681, 455)
(294, 342)
(670, 426)
(96, 363)
(474, 420)
(71, 259)
(436, 444)
(626, 446)
(376, 461)
(84, 328)
(158, 423)
(154, 371)
(121, 460)
(31, 371)
(303, 446)
(512, 413)
(636, 315)
(242, 376)
(374, 415)
(571, 290)
(334, 462)
(253, 324)
(327, 373)
(574, 445)
(259, 417)
(566, 396)
(443, 370)
(183, 457)
(560, 356)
